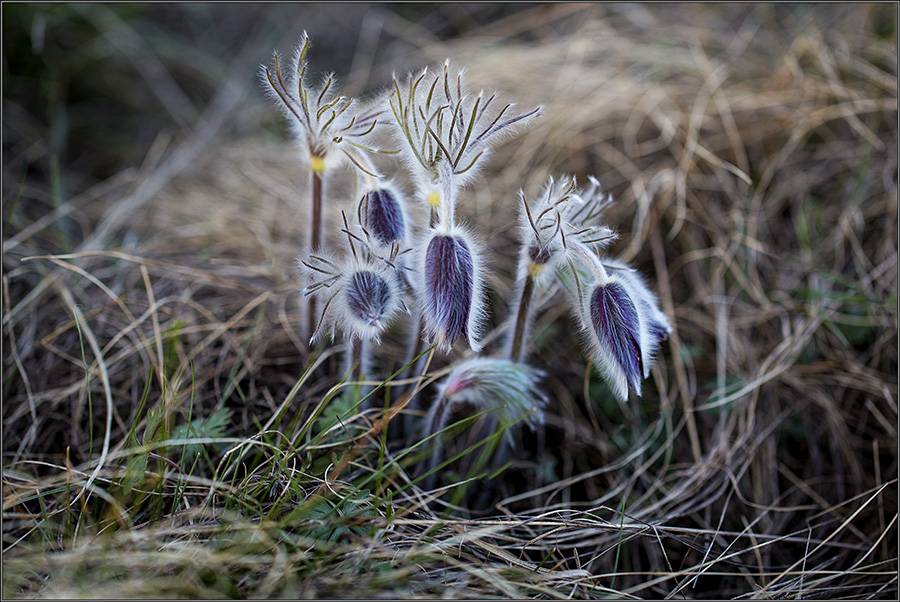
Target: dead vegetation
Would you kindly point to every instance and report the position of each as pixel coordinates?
(753, 155)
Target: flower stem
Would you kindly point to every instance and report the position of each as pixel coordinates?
(316, 235)
(315, 241)
(414, 346)
(356, 358)
(523, 315)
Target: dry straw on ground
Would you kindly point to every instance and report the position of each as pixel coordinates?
(753, 155)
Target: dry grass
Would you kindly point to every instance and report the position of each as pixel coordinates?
(753, 155)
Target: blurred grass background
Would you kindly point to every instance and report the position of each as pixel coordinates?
(752, 150)
(96, 83)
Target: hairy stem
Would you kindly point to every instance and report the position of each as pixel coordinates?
(433, 220)
(522, 323)
(356, 358)
(315, 242)
(415, 347)
(416, 344)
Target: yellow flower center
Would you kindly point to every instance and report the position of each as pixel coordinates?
(535, 269)
(434, 199)
(317, 164)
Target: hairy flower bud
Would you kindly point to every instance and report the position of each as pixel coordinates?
(505, 391)
(452, 288)
(624, 323)
(362, 292)
(368, 297)
(616, 325)
(509, 389)
(655, 326)
(384, 218)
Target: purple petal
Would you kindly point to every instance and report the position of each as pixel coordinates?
(384, 216)
(368, 296)
(449, 286)
(615, 320)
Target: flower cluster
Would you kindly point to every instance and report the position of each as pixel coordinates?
(444, 133)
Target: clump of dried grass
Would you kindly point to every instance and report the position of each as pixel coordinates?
(754, 165)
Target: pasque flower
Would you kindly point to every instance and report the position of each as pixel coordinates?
(362, 290)
(624, 324)
(382, 214)
(506, 392)
(656, 323)
(452, 287)
(322, 122)
(507, 389)
(560, 223)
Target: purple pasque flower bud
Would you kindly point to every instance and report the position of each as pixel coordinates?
(382, 214)
(362, 295)
(655, 327)
(368, 297)
(507, 392)
(623, 321)
(452, 287)
(508, 388)
(616, 330)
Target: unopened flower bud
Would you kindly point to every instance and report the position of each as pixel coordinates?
(506, 391)
(368, 297)
(452, 288)
(384, 216)
(616, 325)
(655, 326)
